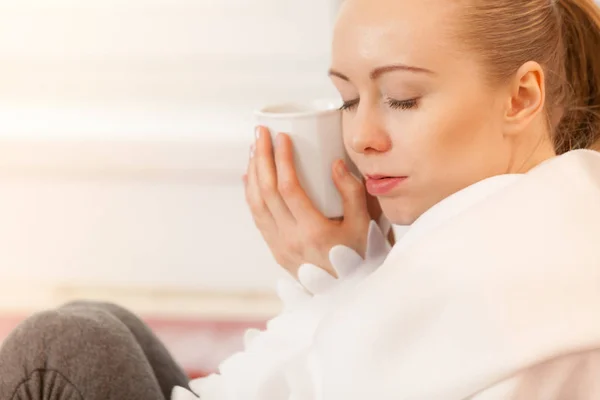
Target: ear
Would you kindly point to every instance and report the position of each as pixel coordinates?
(527, 97)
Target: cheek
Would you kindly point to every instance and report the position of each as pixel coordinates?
(448, 139)
(472, 143)
(447, 146)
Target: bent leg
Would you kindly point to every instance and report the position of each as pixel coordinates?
(168, 373)
(75, 354)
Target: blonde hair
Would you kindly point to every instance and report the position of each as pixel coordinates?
(563, 36)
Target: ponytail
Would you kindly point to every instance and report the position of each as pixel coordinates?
(579, 126)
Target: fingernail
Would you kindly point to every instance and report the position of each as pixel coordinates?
(257, 132)
(252, 148)
(279, 140)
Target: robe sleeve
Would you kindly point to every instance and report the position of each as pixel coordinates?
(271, 366)
(569, 377)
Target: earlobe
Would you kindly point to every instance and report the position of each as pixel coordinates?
(527, 97)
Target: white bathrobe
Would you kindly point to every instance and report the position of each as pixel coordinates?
(496, 278)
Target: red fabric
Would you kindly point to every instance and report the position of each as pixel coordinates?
(197, 374)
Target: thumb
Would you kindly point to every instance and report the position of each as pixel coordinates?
(352, 190)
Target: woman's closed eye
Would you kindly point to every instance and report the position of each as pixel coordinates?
(351, 105)
(402, 104)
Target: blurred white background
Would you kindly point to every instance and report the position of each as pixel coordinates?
(124, 132)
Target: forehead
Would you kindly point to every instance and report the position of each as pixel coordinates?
(403, 31)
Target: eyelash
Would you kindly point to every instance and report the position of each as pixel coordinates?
(394, 104)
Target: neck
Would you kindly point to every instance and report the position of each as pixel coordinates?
(531, 149)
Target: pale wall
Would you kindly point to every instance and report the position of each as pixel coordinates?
(124, 132)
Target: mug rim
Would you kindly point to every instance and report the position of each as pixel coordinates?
(319, 107)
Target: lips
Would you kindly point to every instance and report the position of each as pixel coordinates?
(380, 185)
(376, 177)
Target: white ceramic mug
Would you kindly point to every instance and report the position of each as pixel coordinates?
(316, 131)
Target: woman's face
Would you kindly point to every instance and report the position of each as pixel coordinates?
(417, 106)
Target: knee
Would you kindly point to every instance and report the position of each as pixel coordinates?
(65, 333)
(89, 346)
(45, 326)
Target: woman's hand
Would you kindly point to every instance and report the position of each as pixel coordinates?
(295, 231)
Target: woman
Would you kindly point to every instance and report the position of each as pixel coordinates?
(467, 119)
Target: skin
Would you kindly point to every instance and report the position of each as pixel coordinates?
(417, 105)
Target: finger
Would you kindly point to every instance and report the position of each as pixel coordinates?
(260, 212)
(374, 207)
(266, 172)
(353, 193)
(296, 199)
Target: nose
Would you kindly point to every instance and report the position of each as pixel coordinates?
(369, 134)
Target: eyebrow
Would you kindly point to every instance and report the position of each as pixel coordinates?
(377, 72)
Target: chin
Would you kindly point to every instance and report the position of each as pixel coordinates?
(400, 211)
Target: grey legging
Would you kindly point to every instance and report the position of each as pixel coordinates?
(86, 351)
